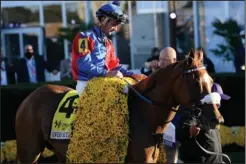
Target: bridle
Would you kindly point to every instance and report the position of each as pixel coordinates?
(161, 105)
(170, 107)
(196, 105)
(196, 108)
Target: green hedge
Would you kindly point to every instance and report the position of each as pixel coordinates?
(232, 110)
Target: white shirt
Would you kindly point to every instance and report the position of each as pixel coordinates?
(4, 80)
(31, 67)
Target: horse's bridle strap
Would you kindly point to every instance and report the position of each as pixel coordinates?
(195, 69)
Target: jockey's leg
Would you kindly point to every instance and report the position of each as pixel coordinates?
(170, 144)
(80, 86)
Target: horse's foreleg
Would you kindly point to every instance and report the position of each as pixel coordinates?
(151, 154)
(60, 149)
(156, 155)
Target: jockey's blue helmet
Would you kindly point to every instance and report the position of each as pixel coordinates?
(112, 11)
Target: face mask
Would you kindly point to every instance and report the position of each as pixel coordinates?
(28, 55)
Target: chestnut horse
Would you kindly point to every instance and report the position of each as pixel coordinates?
(152, 105)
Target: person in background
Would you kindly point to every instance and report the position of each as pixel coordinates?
(66, 68)
(93, 54)
(168, 56)
(152, 62)
(30, 69)
(7, 71)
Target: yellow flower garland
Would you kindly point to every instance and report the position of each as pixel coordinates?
(101, 128)
(9, 152)
(162, 155)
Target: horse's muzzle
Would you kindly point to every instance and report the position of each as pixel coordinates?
(220, 120)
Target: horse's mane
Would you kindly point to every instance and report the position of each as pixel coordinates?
(196, 60)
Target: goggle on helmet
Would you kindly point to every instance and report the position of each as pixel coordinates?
(114, 12)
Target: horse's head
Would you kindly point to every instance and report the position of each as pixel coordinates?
(193, 85)
(192, 82)
(185, 83)
(196, 84)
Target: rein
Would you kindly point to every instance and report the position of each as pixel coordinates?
(149, 101)
(212, 153)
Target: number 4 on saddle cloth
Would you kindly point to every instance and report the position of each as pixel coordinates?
(64, 116)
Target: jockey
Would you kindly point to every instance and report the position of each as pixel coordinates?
(93, 54)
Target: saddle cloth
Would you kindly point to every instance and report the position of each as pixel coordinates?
(64, 116)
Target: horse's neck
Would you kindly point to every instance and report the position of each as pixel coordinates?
(154, 115)
(146, 118)
(140, 119)
(156, 87)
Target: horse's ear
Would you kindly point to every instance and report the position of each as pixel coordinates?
(200, 55)
(192, 53)
(190, 57)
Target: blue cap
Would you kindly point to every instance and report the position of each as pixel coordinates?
(117, 3)
(217, 88)
(113, 11)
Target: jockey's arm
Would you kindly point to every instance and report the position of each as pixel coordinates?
(113, 64)
(125, 72)
(128, 73)
(84, 59)
(85, 64)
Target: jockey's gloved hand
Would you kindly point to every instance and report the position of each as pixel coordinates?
(138, 77)
(114, 73)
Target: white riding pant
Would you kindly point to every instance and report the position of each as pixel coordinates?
(80, 86)
(171, 146)
(170, 136)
